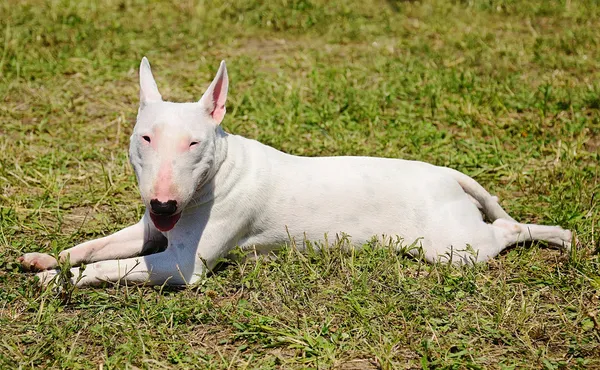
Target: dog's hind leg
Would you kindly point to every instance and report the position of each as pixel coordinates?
(131, 241)
(510, 233)
(494, 238)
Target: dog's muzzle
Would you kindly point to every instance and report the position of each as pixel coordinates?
(163, 214)
(163, 208)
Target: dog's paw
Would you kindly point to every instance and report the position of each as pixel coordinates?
(570, 240)
(565, 241)
(46, 277)
(37, 261)
(49, 277)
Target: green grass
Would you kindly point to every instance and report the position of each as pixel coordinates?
(507, 91)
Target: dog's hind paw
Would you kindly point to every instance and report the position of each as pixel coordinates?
(37, 261)
(567, 241)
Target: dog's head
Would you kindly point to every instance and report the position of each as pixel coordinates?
(172, 148)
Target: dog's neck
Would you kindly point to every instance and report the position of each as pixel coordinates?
(221, 150)
(205, 191)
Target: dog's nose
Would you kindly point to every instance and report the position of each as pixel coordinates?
(163, 208)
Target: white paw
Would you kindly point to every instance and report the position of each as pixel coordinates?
(37, 261)
(49, 277)
(568, 239)
(563, 239)
(46, 277)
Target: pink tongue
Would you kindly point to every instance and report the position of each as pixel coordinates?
(164, 223)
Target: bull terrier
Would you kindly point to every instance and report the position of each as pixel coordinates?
(207, 191)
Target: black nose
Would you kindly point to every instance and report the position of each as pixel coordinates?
(163, 208)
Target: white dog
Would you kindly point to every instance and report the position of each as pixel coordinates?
(207, 192)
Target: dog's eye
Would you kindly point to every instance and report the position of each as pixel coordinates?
(193, 143)
(146, 137)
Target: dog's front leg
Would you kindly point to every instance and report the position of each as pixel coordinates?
(155, 269)
(194, 246)
(128, 242)
(179, 264)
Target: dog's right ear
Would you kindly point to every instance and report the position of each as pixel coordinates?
(148, 89)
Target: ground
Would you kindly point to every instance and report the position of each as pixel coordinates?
(507, 91)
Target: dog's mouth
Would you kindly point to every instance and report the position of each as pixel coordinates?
(164, 222)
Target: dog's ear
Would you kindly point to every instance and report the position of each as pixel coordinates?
(148, 89)
(213, 100)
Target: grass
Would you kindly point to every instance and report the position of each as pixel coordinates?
(507, 91)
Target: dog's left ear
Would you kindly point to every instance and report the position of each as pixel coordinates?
(213, 100)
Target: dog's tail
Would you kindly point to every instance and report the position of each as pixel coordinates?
(488, 204)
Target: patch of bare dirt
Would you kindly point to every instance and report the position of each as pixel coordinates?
(360, 364)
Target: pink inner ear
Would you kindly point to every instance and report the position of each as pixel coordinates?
(219, 101)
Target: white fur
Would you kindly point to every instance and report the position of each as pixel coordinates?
(233, 191)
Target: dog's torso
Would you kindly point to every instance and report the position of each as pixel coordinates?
(261, 198)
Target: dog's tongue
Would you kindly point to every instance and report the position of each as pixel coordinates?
(164, 223)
